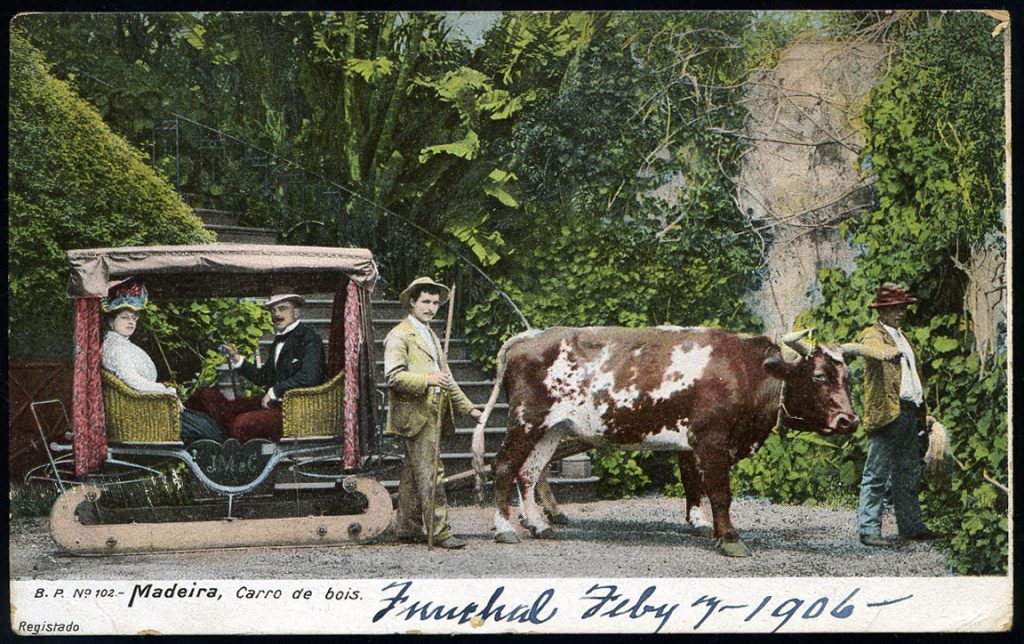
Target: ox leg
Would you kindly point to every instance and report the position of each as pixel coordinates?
(547, 500)
(716, 480)
(546, 496)
(698, 506)
(504, 479)
(530, 475)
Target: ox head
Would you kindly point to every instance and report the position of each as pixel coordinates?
(816, 395)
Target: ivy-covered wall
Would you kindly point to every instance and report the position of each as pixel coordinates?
(934, 138)
(934, 143)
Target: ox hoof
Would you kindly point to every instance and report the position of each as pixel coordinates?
(546, 533)
(558, 519)
(734, 549)
(506, 537)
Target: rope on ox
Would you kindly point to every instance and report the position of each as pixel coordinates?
(791, 340)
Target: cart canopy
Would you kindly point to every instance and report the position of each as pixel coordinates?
(215, 270)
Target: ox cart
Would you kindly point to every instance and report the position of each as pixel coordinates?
(312, 487)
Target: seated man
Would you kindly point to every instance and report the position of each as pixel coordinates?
(134, 367)
(296, 360)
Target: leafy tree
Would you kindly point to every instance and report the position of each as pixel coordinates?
(73, 184)
(588, 156)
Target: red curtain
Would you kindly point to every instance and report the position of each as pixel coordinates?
(87, 416)
(345, 339)
(353, 338)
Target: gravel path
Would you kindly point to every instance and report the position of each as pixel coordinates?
(634, 538)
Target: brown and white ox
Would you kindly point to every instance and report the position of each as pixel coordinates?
(711, 395)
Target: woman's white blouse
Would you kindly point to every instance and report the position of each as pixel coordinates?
(131, 364)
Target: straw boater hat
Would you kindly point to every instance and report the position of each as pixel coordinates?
(403, 297)
(278, 296)
(130, 294)
(890, 294)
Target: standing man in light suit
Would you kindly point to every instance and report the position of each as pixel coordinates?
(894, 413)
(419, 383)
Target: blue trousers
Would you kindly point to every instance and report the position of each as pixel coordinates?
(893, 451)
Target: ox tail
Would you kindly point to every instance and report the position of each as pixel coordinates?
(478, 431)
(938, 458)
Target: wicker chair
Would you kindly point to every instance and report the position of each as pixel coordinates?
(139, 417)
(314, 411)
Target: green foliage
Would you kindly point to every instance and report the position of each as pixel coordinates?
(969, 513)
(31, 500)
(608, 274)
(620, 474)
(935, 142)
(576, 155)
(802, 468)
(168, 487)
(595, 246)
(183, 337)
(73, 184)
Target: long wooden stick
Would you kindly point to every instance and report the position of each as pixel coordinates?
(440, 416)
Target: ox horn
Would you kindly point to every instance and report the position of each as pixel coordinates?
(852, 350)
(792, 340)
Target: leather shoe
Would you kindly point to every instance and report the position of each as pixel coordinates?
(451, 543)
(924, 535)
(873, 540)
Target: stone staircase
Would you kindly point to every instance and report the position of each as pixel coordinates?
(225, 224)
(571, 478)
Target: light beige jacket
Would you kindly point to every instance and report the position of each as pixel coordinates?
(411, 407)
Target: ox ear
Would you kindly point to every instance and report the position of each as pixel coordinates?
(778, 367)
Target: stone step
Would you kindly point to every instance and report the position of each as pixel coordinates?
(212, 217)
(461, 369)
(319, 307)
(477, 391)
(391, 309)
(458, 349)
(498, 417)
(388, 466)
(244, 235)
(566, 490)
(494, 436)
(382, 325)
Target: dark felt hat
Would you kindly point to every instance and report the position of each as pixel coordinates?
(890, 294)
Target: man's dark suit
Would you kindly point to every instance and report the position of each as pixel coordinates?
(300, 364)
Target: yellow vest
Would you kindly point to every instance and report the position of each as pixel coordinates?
(881, 378)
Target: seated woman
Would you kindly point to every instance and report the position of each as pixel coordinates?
(134, 367)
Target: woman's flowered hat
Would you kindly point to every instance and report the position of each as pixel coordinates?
(130, 294)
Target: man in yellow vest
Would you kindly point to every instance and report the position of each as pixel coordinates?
(894, 413)
(419, 383)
